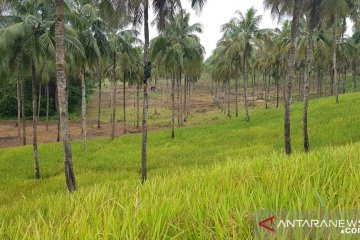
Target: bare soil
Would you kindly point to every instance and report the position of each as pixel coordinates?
(201, 102)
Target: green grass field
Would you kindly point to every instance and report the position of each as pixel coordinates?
(207, 183)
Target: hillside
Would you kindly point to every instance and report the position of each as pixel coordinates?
(205, 184)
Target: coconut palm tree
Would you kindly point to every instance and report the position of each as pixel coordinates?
(175, 46)
(28, 39)
(334, 13)
(83, 17)
(140, 12)
(313, 15)
(281, 8)
(239, 36)
(62, 95)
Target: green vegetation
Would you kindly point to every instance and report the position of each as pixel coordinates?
(205, 184)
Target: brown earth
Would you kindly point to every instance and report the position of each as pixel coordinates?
(201, 103)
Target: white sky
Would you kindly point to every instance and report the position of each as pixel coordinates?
(217, 12)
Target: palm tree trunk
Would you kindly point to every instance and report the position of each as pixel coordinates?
(173, 108)
(113, 110)
(58, 112)
(307, 89)
(245, 93)
(34, 125)
(18, 97)
(83, 108)
(185, 97)
(253, 91)
(99, 106)
(22, 99)
(181, 100)
(277, 86)
(334, 63)
(62, 94)
(155, 80)
(124, 102)
(228, 97)
(189, 100)
(236, 98)
(216, 90)
(113, 99)
(39, 104)
(354, 76)
(291, 74)
(137, 105)
(331, 81)
(145, 102)
(47, 106)
(344, 81)
(178, 100)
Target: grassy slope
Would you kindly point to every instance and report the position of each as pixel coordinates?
(206, 183)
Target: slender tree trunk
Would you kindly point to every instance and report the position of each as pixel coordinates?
(318, 77)
(307, 88)
(178, 99)
(331, 81)
(83, 108)
(181, 100)
(253, 91)
(137, 105)
(99, 106)
(173, 108)
(268, 90)
(22, 99)
(344, 81)
(58, 112)
(156, 112)
(277, 86)
(62, 94)
(124, 102)
(39, 104)
(216, 90)
(291, 73)
(222, 97)
(18, 97)
(145, 103)
(47, 106)
(246, 83)
(113, 100)
(334, 63)
(34, 125)
(354, 77)
(113, 110)
(185, 97)
(265, 89)
(228, 97)
(236, 98)
(189, 100)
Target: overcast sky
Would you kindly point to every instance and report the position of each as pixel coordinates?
(217, 12)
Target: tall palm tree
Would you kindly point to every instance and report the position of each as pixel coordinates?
(62, 95)
(162, 9)
(239, 36)
(280, 8)
(334, 12)
(313, 15)
(28, 39)
(175, 46)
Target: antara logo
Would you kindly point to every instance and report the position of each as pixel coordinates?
(266, 225)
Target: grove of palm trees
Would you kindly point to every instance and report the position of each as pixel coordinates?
(122, 119)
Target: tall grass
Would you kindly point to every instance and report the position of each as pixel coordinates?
(206, 184)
